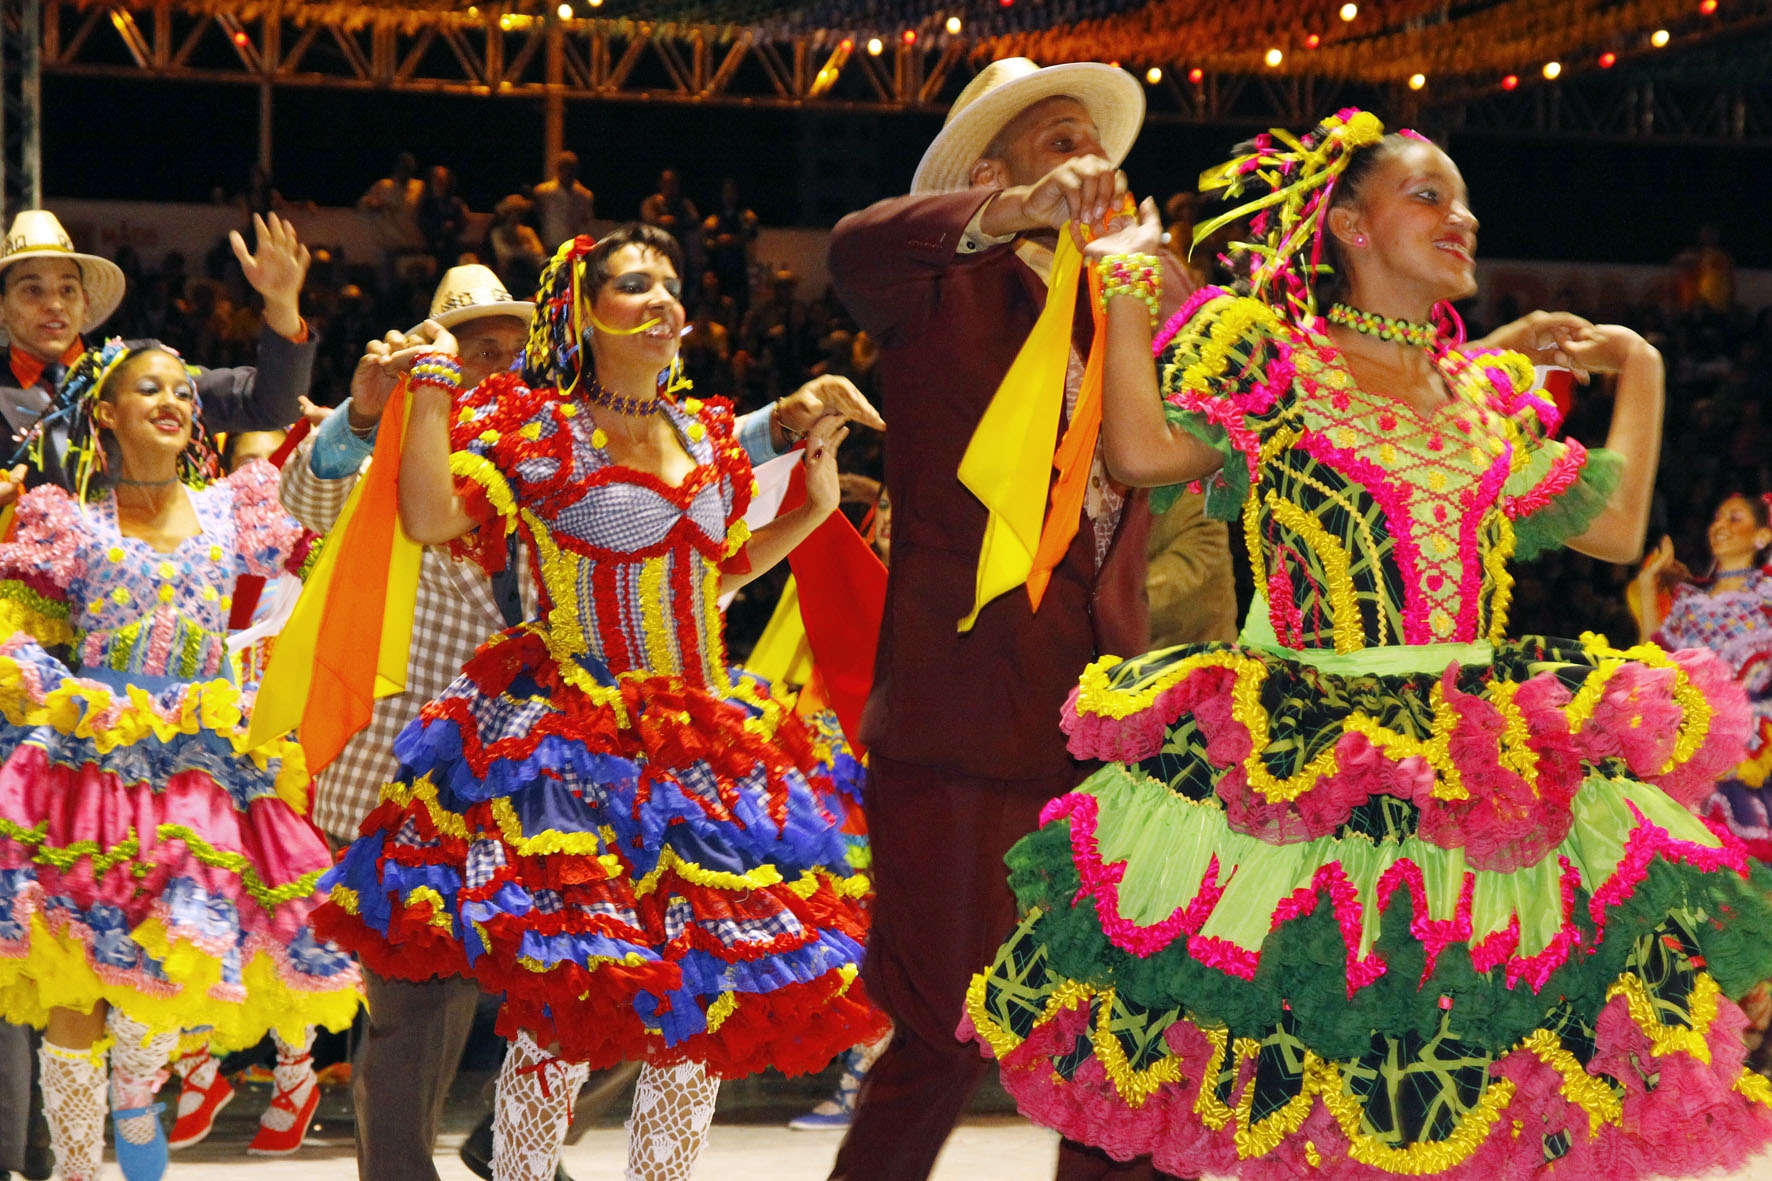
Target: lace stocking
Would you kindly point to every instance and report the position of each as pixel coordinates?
(197, 1068)
(74, 1105)
(138, 1067)
(294, 1076)
(673, 1106)
(535, 1094)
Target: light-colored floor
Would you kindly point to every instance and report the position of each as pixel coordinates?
(984, 1147)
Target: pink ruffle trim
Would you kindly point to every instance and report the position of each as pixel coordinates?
(1693, 1121)
(1101, 880)
(1507, 819)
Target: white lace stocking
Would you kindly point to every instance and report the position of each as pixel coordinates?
(294, 1076)
(138, 1067)
(673, 1106)
(197, 1067)
(74, 1104)
(535, 1094)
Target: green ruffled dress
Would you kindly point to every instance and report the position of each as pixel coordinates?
(1377, 890)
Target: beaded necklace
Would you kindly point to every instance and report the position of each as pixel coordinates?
(598, 394)
(1383, 327)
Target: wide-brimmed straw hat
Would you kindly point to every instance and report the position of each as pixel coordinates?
(1007, 87)
(35, 233)
(472, 291)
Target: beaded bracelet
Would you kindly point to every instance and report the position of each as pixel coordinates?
(439, 369)
(1137, 275)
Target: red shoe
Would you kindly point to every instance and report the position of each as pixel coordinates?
(199, 1105)
(274, 1141)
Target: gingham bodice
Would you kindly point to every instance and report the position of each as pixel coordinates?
(628, 567)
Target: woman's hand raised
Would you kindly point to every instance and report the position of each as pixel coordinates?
(823, 489)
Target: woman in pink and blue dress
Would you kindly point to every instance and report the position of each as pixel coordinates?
(1378, 889)
(599, 819)
(155, 873)
(1729, 611)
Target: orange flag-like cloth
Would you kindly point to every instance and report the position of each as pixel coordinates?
(348, 640)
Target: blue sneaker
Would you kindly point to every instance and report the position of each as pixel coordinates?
(145, 1161)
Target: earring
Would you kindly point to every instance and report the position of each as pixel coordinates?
(1359, 239)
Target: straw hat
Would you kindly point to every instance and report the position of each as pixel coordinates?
(36, 233)
(472, 291)
(1004, 89)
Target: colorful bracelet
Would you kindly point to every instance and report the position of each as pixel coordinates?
(1137, 275)
(438, 369)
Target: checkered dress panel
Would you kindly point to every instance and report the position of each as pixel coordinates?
(454, 613)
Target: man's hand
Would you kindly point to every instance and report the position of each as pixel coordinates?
(1083, 191)
(830, 394)
(276, 271)
(315, 414)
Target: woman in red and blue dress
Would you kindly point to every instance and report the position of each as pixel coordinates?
(599, 819)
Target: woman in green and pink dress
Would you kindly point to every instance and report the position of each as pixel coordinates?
(1378, 889)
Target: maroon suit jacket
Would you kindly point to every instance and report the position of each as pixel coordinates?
(985, 703)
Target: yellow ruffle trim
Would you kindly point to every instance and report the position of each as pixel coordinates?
(1323, 1079)
(78, 709)
(57, 973)
(482, 471)
(43, 619)
(1097, 697)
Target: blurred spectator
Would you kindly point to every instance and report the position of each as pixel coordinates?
(391, 205)
(775, 337)
(671, 211)
(565, 206)
(517, 254)
(731, 239)
(442, 218)
(707, 352)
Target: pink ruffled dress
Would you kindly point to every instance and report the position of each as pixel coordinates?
(1377, 890)
(1736, 625)
(148, 857)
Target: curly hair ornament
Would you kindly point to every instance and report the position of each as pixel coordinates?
(553, 354)
(1299, 175)
(83, 388)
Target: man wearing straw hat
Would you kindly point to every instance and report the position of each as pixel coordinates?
(962, 728)
(53, 294)
(50, 294)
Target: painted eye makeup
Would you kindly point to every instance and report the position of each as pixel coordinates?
(639, 283)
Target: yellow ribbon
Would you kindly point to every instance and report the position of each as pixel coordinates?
(1008, 463)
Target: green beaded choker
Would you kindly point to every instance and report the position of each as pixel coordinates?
(1383, 327)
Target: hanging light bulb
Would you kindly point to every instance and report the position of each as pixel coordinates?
(1659, 38)
(1349, 11)
(1417, 81)
(1552, 69)
(954, 25)
(1511, 81)
(564, 12)
(1153, 75)
(1196, 75)
(1274, 57)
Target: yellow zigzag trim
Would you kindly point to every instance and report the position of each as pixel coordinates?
(1668, 1039)
(485, 473)
(64, 857)
(1350, 635)
(1754, 1086)
(1695, 712)
(1579, 1087)
(1096, 696)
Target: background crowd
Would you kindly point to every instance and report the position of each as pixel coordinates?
(757, 333)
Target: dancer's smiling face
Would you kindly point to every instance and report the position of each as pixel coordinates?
(642, 286)
(150, 405)
(1409, 229)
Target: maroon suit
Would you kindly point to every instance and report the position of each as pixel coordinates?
(962, 729)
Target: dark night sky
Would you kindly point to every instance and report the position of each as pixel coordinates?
(177, 141)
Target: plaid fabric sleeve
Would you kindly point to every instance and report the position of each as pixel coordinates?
(311, 500)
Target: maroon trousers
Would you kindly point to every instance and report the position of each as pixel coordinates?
(941, 907)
